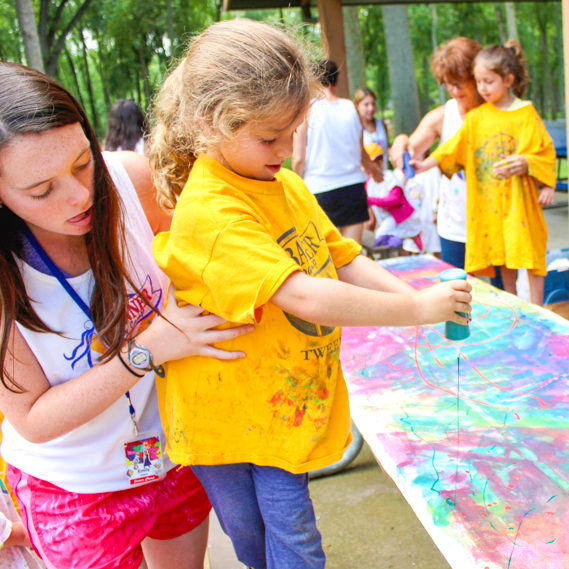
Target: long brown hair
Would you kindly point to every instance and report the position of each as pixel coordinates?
(31, 102)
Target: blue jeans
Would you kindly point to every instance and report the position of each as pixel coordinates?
(267, 512)
(452, 252)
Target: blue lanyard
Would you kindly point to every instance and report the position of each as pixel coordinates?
(56, 272)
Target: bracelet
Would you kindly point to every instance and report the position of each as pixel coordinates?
(128, 368)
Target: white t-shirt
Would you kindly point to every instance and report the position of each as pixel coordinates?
(451, 218)
(379, 136)
(333, 149)
(90, 458)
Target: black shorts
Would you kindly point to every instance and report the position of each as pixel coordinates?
(345, 206)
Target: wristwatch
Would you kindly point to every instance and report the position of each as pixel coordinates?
(140, 358)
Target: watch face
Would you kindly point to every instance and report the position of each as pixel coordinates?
(139, 358)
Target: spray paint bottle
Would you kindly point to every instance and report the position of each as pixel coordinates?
(455, 332)
(408, 170)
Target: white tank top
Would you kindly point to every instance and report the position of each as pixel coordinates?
(451, 218)
(333, 149)
(91, 457)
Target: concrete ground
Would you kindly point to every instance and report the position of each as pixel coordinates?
(364, 520)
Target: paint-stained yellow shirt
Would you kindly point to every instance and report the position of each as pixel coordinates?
(232, 244)
(504, 223)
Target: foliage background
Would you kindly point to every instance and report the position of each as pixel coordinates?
(123, 48)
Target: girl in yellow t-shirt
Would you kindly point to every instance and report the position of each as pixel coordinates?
(249, 241)
(509, 160)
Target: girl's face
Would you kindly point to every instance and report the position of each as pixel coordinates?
(492, 87)
(367, 108)
(259, 148)
(464, 92)
(46, 179)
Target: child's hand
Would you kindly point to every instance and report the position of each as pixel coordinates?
(442, 301)
(513, 165)
(546, 196)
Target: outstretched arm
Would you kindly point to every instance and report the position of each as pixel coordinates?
(370, 296)
(424, 136)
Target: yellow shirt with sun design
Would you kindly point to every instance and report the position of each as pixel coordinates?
(232, 244)
(504, 222)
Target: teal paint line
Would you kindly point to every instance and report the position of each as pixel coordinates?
(457, 423)
(433, 489)
(517, 533)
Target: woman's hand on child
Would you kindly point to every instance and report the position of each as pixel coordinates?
(187, 331)
(513, 165)
(442, 302)
(546, 196)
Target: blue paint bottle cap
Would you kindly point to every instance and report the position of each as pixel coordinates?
(453, 331)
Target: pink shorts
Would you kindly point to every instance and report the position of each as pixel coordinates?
(104, 530)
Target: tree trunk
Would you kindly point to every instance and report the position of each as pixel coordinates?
(89, 85)
(401, 68)
(53, 32)
(29, 30)
(511, 20)
(71, 64)
(145, 74)
(354, 48)
(559, 72)
(547, 85)
(500, 21)
(434, 45)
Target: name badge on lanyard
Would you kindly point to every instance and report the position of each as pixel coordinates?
(144, 459)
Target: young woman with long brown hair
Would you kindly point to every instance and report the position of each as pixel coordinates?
(79, 288)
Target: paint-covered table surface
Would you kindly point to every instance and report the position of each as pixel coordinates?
(480, 451)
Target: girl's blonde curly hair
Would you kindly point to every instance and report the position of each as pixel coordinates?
(234, 72)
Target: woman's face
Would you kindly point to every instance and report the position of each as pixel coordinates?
(465, 93)
(46, 179)
(367, 108)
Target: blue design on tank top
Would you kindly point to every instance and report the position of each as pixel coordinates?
(83, 350)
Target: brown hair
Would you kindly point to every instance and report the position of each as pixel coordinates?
(125, 125)
(31, 102)
(454, 60)
(505, 60)
(361, 94)
(234, 72)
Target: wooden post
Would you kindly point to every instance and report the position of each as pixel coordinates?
(565, 9)
(333, 44)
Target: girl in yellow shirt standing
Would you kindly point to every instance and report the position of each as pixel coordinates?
(249, 241)
(508, 156)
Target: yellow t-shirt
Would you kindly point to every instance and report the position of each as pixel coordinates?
(504, 222)
(232, 244)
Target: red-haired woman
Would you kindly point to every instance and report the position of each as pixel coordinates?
(451, 65)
